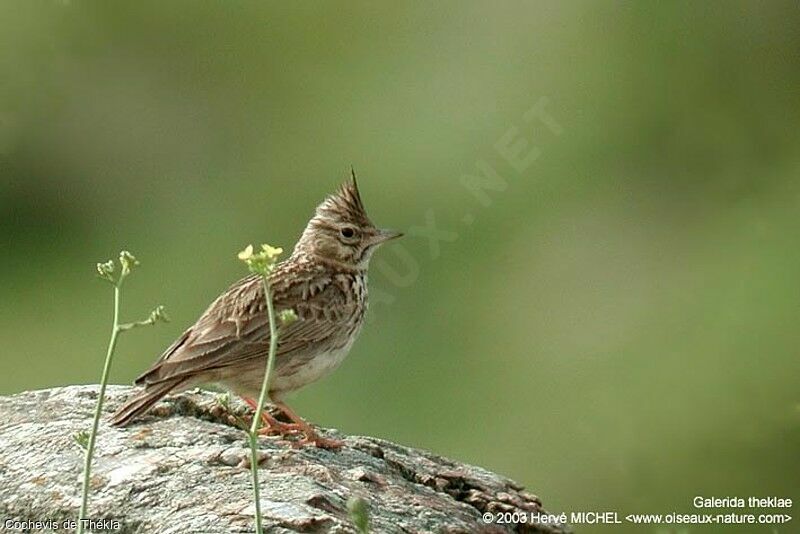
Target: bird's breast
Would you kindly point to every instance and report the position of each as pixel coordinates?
(318, 365)
(322, 356)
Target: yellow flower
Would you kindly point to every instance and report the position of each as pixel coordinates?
(261, 262)
(271, 252)
(247, 253)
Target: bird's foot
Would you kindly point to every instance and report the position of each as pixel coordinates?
(273, 427)
(318, 441)
(296, 426)
(310, 436)
(299, 434)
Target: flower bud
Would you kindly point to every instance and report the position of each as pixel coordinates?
(106, 271)
(158, 314)
(287, 317)
(128, 262)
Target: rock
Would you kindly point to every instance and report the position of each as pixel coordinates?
(183, 469)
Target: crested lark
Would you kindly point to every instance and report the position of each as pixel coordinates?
(324, 281)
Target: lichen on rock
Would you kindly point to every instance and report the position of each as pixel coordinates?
(184, 468)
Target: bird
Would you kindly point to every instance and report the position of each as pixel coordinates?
(323, 282)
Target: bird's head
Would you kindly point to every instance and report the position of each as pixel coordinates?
(341, 231)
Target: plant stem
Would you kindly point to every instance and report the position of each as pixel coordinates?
(273, 344)
(87, 468)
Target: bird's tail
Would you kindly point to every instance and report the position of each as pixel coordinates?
(144, 400)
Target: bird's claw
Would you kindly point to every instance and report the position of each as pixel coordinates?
(277, 428)
(307, 436)
(319, 442)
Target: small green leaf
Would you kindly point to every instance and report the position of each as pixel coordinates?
(359, 513)
(224, 399)
(82, 439)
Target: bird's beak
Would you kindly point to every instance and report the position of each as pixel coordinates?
(384, 235)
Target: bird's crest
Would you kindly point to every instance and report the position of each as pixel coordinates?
(346, 202)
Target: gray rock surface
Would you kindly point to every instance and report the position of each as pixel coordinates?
(184, 469)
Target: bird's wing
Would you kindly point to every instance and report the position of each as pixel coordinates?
(235, 327)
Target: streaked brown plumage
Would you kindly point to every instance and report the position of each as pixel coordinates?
(324, 281)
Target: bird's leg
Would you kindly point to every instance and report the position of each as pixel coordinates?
(311, 435)
(273, 426)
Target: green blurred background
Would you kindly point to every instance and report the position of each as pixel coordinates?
(617, 329)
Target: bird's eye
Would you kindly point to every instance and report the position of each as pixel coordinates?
(348, 232)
